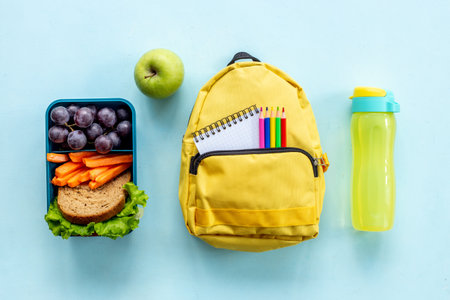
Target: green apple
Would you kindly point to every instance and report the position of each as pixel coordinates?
(159, 73)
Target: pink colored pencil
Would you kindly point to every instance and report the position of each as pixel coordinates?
(261, 129)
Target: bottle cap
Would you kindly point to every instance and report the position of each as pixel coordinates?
(370, 99)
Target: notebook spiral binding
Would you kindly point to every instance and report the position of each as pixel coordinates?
(214, 128)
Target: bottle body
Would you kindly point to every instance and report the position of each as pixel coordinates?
(373, 178)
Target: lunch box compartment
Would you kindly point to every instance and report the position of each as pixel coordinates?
(127, 147)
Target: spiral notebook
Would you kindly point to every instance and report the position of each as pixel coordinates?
(237, 131)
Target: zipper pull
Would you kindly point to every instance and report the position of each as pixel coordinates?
(322, 161)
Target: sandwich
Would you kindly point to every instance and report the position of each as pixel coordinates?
(95, 201)
(82, 205)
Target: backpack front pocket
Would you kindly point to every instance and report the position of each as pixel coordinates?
(262, 193)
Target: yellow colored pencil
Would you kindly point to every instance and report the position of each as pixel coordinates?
(272, 128)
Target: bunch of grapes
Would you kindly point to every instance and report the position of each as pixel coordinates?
(106, 128)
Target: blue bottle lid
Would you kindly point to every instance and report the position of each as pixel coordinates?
(370, 99)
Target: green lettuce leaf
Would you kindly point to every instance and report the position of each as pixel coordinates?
(118, 226)
(60, 226)
(136, 197)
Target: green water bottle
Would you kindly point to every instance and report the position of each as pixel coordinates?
(373, 180)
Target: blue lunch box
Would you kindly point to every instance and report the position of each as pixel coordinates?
(51, 147)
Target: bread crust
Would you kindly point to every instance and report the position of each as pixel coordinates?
(81, 205)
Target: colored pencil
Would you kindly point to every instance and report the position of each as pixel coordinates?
(278, 129)
(283, 129)
(261, 129)
(267, 128)
(272, 128)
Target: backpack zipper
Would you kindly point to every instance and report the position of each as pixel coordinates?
(196, 160)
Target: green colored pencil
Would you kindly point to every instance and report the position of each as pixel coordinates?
(278, 129)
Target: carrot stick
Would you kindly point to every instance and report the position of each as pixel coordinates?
(78, 156)
(62, 181)
(96, 157)
(93, 173)
(108, 160)
(57, 157)
(93, 185)
(67, 168)
(77, 179)
(85, 176)
(108, 175)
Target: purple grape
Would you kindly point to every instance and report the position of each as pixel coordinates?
(115, 138)
(93, 131)
(65, 146)
(84, 117)
(124, 128)
(76, 140)
(58, 134)
(107, 117)
(122, 114)
(72, 109)
(103, 144)
(93, 108)
(59, 115)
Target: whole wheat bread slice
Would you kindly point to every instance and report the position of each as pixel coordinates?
(81, 205)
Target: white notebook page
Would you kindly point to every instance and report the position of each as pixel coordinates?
(243, 135)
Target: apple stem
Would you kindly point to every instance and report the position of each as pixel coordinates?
(152, 73)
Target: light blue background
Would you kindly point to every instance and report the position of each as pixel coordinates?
(55, 49)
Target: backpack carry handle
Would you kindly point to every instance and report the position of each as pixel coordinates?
(242, 55)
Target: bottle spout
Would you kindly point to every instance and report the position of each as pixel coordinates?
(366, 91)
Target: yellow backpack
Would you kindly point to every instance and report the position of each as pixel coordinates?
(261, 199)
